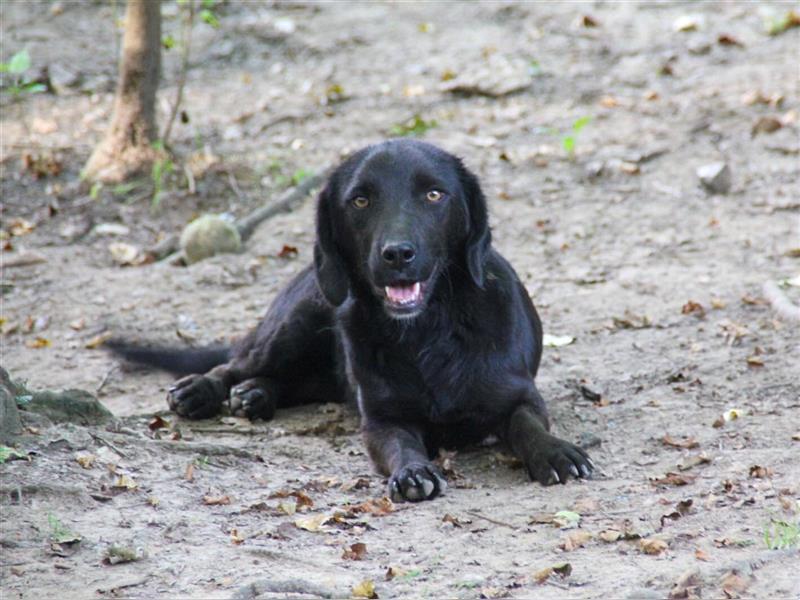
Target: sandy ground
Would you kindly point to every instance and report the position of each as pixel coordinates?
(614, 242)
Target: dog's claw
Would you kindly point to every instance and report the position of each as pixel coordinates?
(574, 470)
(416, 482)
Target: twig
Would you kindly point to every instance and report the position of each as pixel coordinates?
(478, 515)
(235, 187)
(105, 380)
(285, 203)
(185, 52)
(207, 449)
(104, 441)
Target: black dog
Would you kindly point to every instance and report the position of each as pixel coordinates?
(408, 308)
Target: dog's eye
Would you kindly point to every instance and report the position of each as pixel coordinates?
(360, 202)
(434, 196)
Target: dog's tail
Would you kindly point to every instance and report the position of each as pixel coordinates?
(178, 361)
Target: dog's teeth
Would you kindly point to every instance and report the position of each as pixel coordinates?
(404, 294)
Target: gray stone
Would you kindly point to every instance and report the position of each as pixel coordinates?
(10, 423)
(715, 177)
(209, 235)
(69, 406)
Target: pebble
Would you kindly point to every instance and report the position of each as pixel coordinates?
(715, 177)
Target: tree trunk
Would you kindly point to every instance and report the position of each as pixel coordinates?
(127, 148)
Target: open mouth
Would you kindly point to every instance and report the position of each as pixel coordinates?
(405, 299)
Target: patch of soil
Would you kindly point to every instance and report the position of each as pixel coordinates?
(617, 242)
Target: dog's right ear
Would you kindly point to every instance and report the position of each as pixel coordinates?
(332, 277)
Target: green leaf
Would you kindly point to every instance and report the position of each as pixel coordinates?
(300, 175)
(568, 142)
(20, 62)
(580, 124)
(416, 125)
(7, 453)
(168, 42)
(209, 18)
(34, 88)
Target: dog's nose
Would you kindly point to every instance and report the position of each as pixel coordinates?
(398, 254)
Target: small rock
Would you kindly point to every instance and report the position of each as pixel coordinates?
(10, 423)
(69, 406)
(594, 169)
(209, 235)
(715, 177)
(110, 229)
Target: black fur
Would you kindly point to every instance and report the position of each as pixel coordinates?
(449, 367)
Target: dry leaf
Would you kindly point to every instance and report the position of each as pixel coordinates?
(575, 539)
(365, 589)
(288, 252)
(157, 423)
(18, 227)
(313, 523)
(125, 483)
(563, 570)
(700, 554)
(86, 460)
(235, 537)
(686, 443)
(188, 475)
(766, 125)
(39, 342)
(393, 572)
(126, 254)
(693, 308)
(216, 500)
(676, 479)
(78, 324)
(359, 483)
(759, 472)
(98, 340)
(725, 39)
(733, 584)
(653, 546)
(609, 536)
(356, 551)
(755, 361)
(693, 461)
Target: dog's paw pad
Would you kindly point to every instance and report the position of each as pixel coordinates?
(250, 399)
(196, 397)
(416, 482)
(557, 461)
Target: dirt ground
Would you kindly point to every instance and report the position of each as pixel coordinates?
(659, 282)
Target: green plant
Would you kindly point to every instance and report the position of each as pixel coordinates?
(17, 67)
(162, 167)
(781, 534)
(416, 125)
(568, 140)
(59, 532)
(7, 453)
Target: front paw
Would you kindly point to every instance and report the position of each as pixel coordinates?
(415, 482)
(555, 460)
(196, 396)
(254, 399)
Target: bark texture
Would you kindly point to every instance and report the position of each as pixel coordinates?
(127, 149)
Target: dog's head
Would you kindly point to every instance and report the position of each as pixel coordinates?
(392, 219)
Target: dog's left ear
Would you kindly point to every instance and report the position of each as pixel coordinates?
(332, 277)
(479, 237)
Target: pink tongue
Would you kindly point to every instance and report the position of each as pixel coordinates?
(403, 294)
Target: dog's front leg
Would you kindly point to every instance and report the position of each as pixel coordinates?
(547, 458)
(399, 452)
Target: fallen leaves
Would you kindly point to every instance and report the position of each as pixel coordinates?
(127, 254)
(686, 443)
(575, 539)
(356, 551)
(674, 479)
(313, 523)
(653, 546)
(561, 570)
(365, 589)
(777, 26)
(693, 308)
(759, 472)
(288, 252)
(765, 124)
(216, 500)
(98, 340)
(564, 519)
(38, 342)
(733, 584)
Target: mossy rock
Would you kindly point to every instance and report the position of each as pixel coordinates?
(69, 406)
(209, 235)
